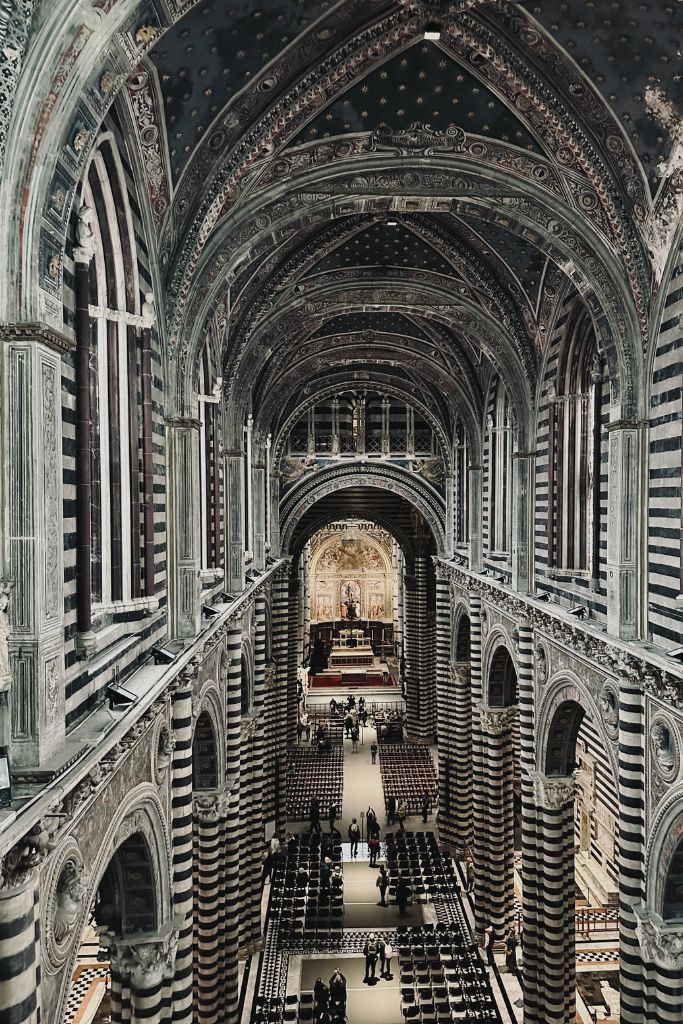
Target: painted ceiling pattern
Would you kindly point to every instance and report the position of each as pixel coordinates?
(382, 323)
(212, 53)
(421, 85)
(523, 258)
(621, 45)
(385, 244)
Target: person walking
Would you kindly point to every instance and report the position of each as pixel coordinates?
(354, 836)
(386, 959)
(354, 739)
(489, 939)
(373, 751)
(426, 805)
(511, 951)
(469, 870)
(348, 723)
(402, 894)
(402, 815)
(332, 816)
(371, 952)
(382, 884)
(391, 810)
(325, 869)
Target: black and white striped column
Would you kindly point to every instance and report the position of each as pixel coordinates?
(635, 1004)
(494, 826)
(412, 657)
(531, 882)
(258, 745)
(461, 797)
(426, 667)
(550, 991)
(233, 703)
(209, 824)
(448, 787)
(292, 667)
(181, 813)
(280, 649)
(478, 772)
(18, 961)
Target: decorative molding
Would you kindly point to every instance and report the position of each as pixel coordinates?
(42, 334)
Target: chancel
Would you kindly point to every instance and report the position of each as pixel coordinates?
(341, 542)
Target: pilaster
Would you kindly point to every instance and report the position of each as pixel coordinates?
(623, 531)
(184, 528)
(476, 477)
(33, 494)
(523, 476)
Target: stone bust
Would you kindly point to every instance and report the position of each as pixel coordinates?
(662, 748)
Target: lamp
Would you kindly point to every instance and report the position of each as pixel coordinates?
(162, 655)
(118, 695)
(5, 778)
(579, 611)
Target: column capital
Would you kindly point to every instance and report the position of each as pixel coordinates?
(183, 422)
(496, 721)
(553, 792)
(660, 943)
(211, 807)
(147, 959)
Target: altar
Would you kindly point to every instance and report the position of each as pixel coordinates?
(352, 647)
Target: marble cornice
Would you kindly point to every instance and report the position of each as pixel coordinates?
(625, 661)
(37, 332)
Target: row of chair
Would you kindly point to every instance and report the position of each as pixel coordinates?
(408, 773)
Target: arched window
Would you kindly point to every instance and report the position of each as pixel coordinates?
(115, 383)
(673, 887)
(462, 641)
(502, 680)
(574, 451)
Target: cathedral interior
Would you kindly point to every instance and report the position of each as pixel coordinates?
(341, 397)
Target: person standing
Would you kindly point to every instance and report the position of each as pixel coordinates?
(402, 815)
(338, 989)
(488, 939)
(469, 869)
(386, 959)
(348, 723)
(371, 952)
(354, 739)
(373, 751)
(371, 820)
(391, 810)
(325, 869)
(315, 815)
(354, 836)
(511, 951)
(332, 816)
(402, 894)
(426, 805)
(373, 847)
(382, 884)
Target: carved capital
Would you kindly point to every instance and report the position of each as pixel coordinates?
(208, 808)
(496, 721)
(553, 793)
(147, 961)
(660, 943)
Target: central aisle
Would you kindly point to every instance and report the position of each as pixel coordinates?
(362, 784)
